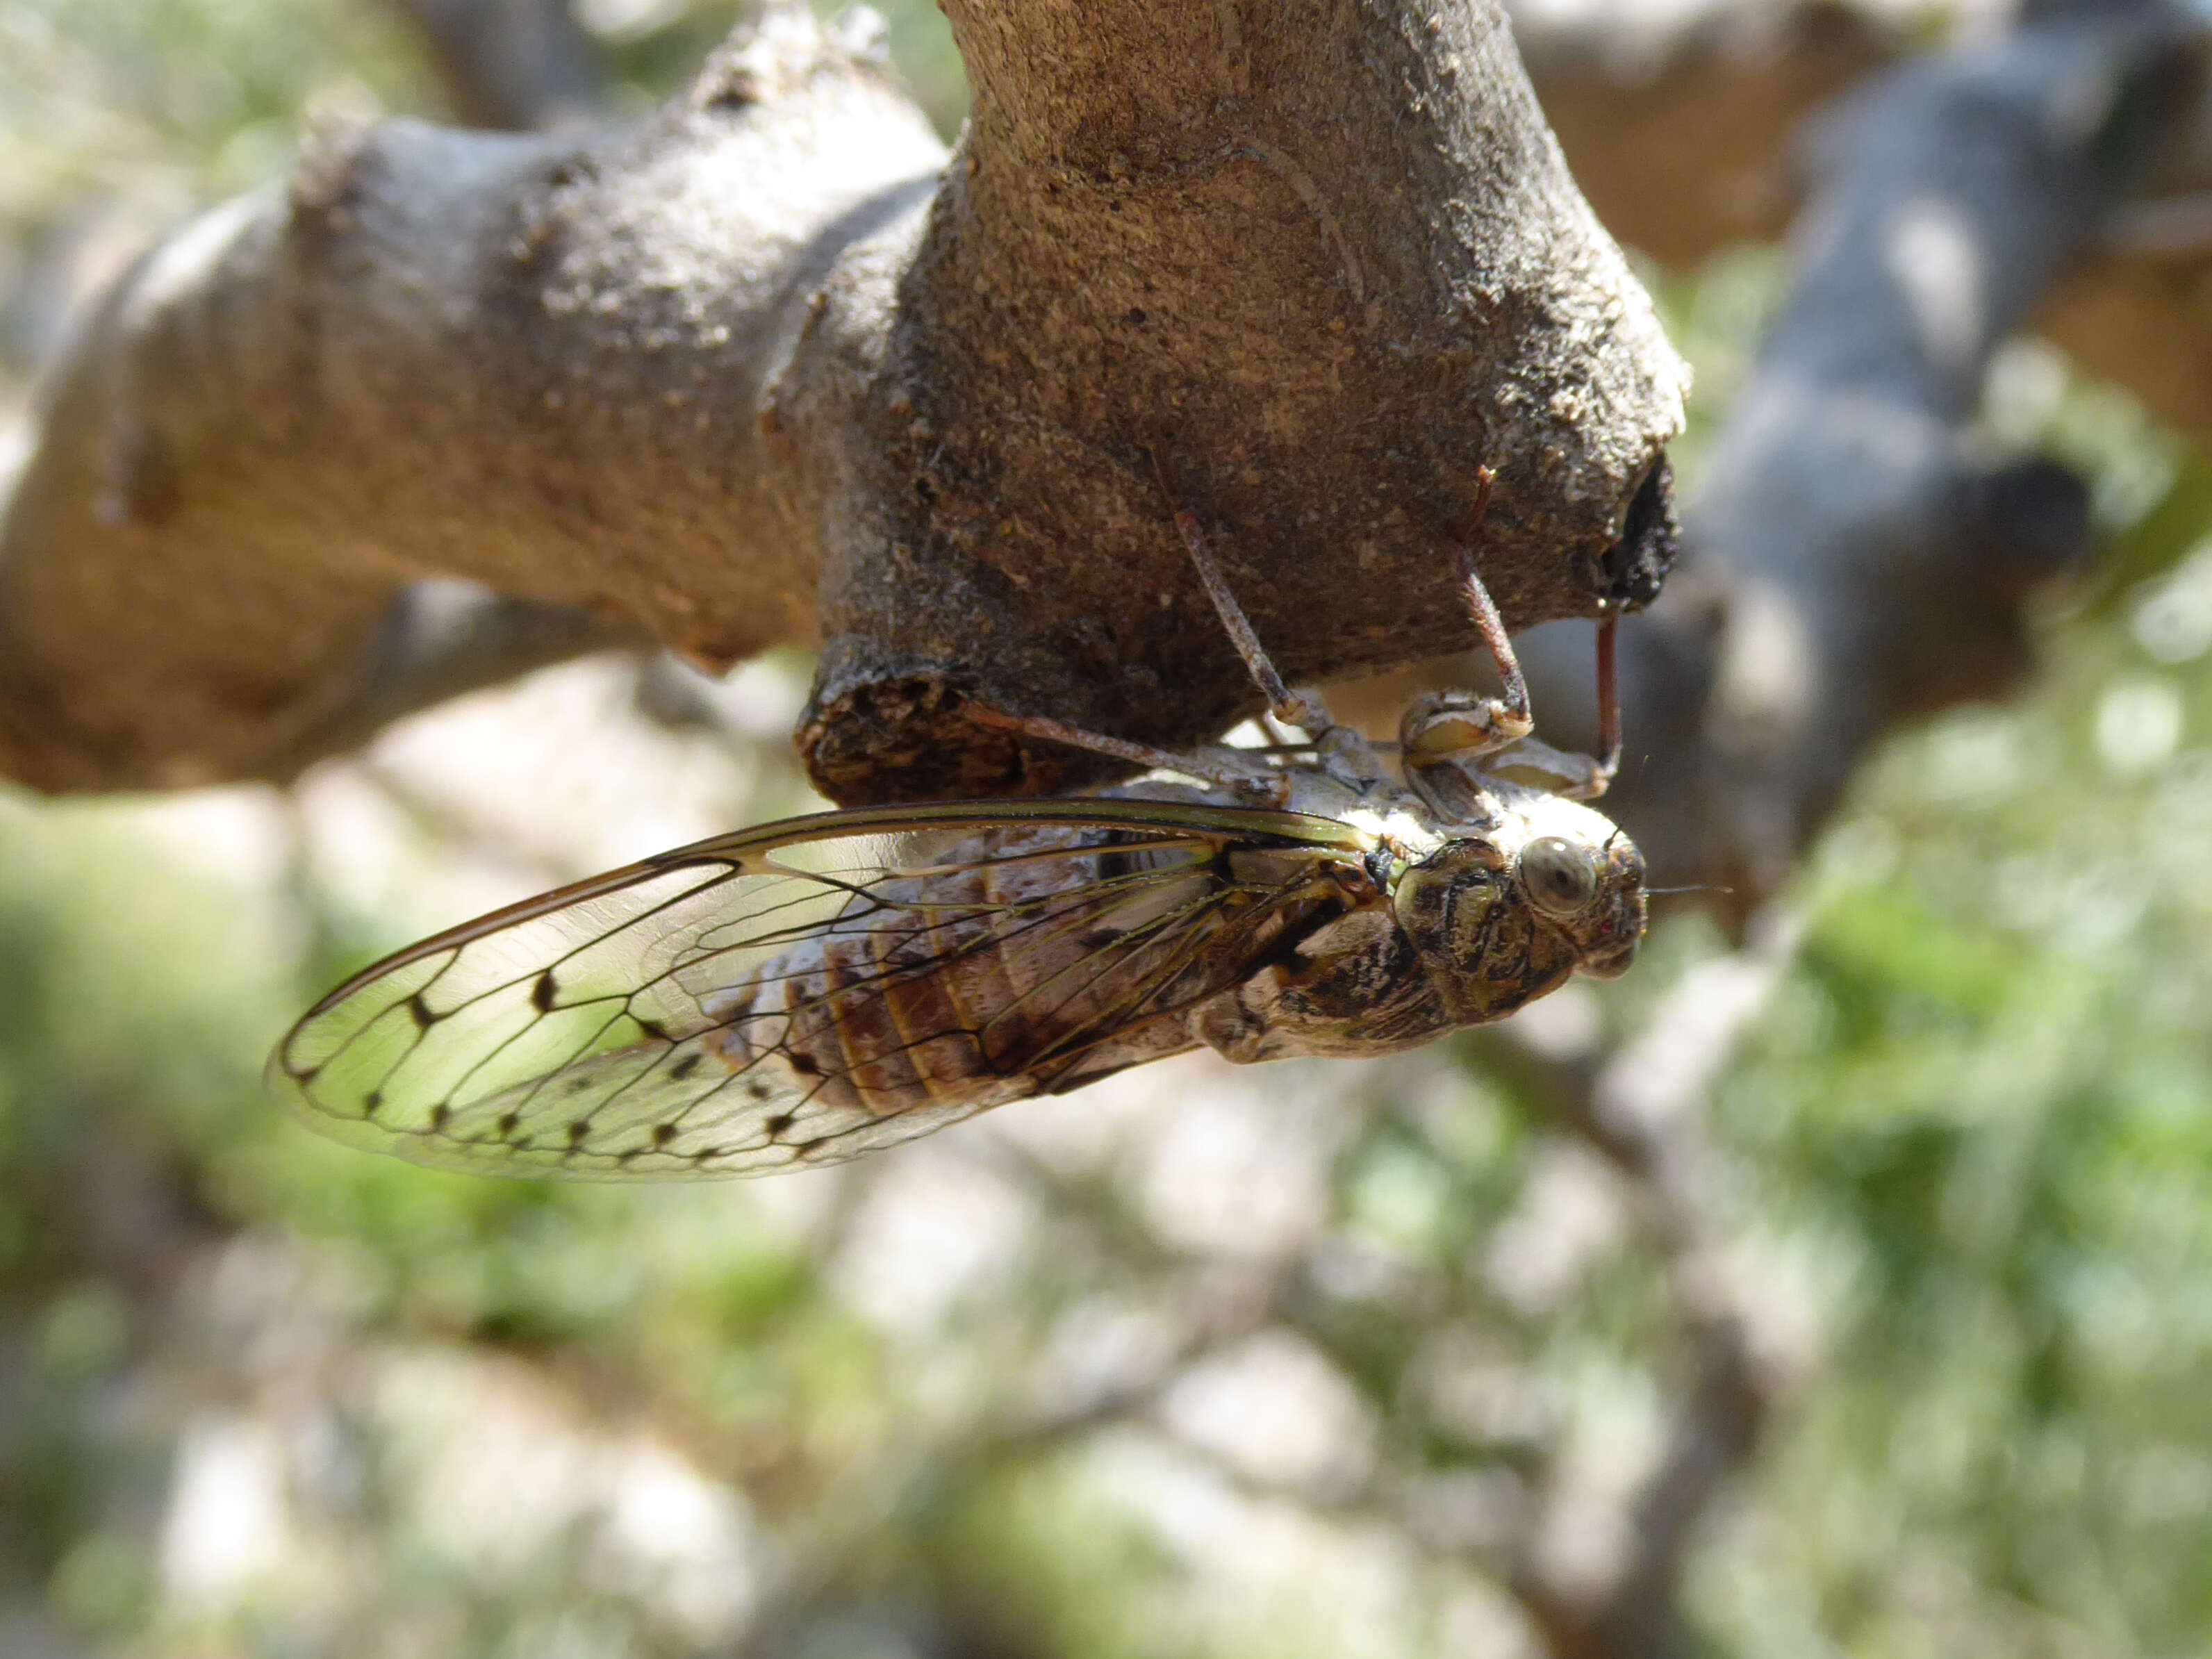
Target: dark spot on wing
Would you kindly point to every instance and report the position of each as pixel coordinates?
(419, 1010)
(652, 1027)
(543, 993)
(578, 1130)
(805, 1065)
(662, 1134)
(776, 1125)
(684, 1067)
(372, 1102)
(758, 1089)
(509, 1122)
(440, 1114)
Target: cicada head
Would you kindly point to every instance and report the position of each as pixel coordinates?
(1546, 888)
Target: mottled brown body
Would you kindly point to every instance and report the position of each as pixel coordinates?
(922, 999)
(931, 998)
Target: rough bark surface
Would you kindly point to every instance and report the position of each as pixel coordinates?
(691, 374)
(1331, 271)
(534, 362)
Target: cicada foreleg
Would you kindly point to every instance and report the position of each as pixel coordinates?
(1339, 744)
(1608, 702)
(1463, 726)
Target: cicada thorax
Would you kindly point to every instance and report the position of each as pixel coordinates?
(1484, 950)
(952, 989)
(1546, 888)
(1355, 986)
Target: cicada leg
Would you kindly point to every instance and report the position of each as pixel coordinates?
(1467, 726)
(1297, 709)
(1262, 784)
(1339, 747)
(1608, 702)
(1337, 744)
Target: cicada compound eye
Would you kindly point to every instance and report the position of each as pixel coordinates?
(1559, 876)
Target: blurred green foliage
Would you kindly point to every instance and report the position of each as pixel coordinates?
(1968, 1149)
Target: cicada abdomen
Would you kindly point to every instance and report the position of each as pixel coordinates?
(1028, 960)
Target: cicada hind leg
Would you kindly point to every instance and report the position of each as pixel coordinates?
(1466, 727)
(1260, 785)
(1256, 779)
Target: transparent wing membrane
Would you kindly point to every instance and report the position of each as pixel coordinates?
(802, 992)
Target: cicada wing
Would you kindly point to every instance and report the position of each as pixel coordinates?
(613, 1030)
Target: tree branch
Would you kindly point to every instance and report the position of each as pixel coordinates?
(518, 65)
(689, 375)
(532, 361)
(1143, 241)
(1678, 121)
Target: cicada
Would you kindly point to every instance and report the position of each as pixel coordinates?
(810, 990)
